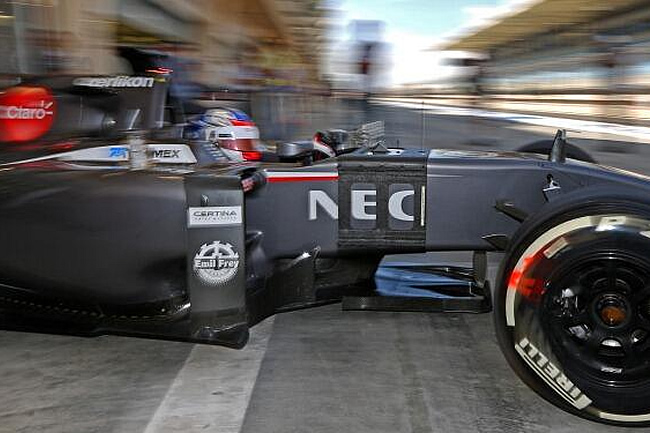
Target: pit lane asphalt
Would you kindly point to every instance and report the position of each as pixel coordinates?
(319, 370)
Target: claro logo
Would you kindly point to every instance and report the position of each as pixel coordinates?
(13, 112)
(26, 113)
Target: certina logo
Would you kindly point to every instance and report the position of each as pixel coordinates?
(551, 374)
(362, 202)
(216, 263)
(166, 153)
(214, 216)
(42, 110)
(121, 81)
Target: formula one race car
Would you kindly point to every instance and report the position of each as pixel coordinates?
(111, 224)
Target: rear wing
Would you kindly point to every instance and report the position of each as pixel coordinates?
(55, 108)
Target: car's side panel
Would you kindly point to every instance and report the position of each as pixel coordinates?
(463, 189)
(462, 193)
(95, 236)
(297, 210)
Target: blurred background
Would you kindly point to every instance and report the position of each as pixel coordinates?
(299, 65)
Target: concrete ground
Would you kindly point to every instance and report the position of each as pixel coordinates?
(117, 384)
(327, 370)
(332, 371)
(319, 370)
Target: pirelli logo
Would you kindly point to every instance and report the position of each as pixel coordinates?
(551, 374)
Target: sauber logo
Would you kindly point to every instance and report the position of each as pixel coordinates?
(26, 113)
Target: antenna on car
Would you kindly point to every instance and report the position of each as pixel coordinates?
(132, 118)
(422, 132)
(558, 151)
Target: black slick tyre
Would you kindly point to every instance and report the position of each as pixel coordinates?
(572, 306)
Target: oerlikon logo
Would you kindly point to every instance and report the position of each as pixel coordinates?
(26, 113)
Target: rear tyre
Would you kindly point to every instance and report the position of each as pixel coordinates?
(572, 308)
(543, 147)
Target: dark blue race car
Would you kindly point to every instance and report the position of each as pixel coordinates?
(114, 220)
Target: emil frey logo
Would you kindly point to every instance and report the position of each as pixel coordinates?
(26, 113)
(216, 263)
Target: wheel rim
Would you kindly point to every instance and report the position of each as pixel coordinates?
(597, 315)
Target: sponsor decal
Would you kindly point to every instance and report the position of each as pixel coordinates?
(170, 153)
(110, 154)
(118, 152)
(26, 113)
(165, 153)
(216, 263)
(552, 375)
(40, 112)
(363, 205)
(121, 81)
(214, 216)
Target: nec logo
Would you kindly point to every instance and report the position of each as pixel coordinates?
(166, 153)
(365, 205)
